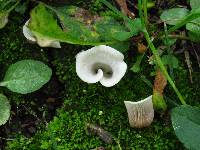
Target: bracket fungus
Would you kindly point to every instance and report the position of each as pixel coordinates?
(140, 113)
(102, 64)
(42, 41)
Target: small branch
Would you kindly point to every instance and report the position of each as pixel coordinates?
(189, 64)
(7, 139)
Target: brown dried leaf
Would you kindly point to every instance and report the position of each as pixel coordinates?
(141, 48)
(160, 82)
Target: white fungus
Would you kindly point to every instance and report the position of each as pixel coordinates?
(101, 63)
(140, 113)
(42, 41)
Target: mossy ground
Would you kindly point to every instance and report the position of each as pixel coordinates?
(83, 103)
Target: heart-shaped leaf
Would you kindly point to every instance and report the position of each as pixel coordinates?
(4, 109)
(186, 124)
(26, 76)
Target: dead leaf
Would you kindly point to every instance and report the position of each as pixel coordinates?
(160, 83)
(189, 64)
(141, 48)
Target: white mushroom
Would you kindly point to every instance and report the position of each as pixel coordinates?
(43, 42)
(140, 113)
(101, 63)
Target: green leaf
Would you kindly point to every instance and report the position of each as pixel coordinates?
(6, 6)
(4, 109)
(194, 26)
(194, 14)
(136, 67)
(194, 36)
(195, 4)
(110, 29)
(26, 76)
(120, 46)
(78, 26)
(170, 60)
(174, 15)
(169, 41)
(44, 25)
(121, 36)
(186, 124)
(159, 103)
(135, 26)
(75, 25)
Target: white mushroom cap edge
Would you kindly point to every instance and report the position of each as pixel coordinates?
(102, 64)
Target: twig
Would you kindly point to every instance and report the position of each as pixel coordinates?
(189, 64)
(197, 56)
(7, 139)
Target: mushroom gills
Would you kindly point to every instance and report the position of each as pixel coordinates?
(140, 113)
(107, 70)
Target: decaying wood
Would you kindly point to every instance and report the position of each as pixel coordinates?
(97, 130)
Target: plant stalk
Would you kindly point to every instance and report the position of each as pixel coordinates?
(144, 3)
(158, 59)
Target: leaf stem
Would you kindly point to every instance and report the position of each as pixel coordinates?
(144, 3)
(151, 45)
(158, 59)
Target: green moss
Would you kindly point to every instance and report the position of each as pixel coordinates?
(83, 104)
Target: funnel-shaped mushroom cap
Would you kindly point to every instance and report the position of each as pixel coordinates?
(42, 41)
(140, 113)
(101, 63)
